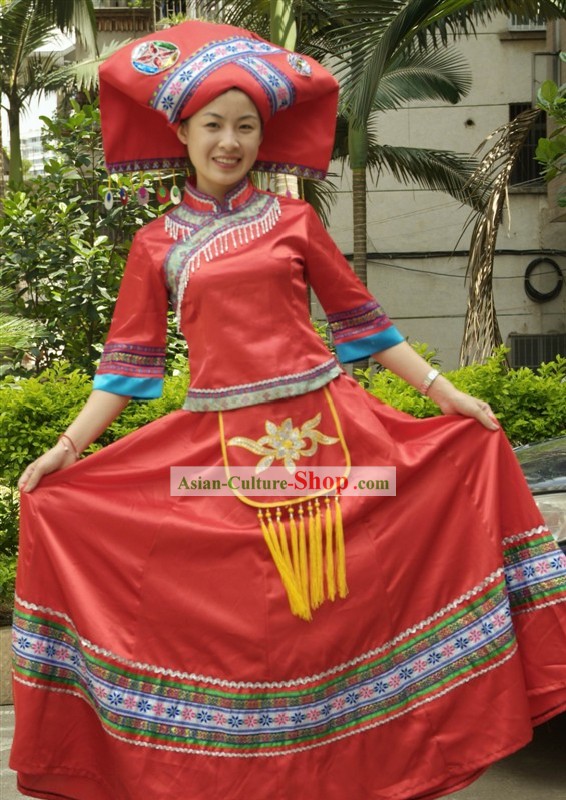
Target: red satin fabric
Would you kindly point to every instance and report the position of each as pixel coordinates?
(187, 584)
(245, 313)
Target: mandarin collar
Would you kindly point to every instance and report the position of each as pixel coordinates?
(234, 199)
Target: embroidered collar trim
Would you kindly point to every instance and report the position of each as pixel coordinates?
(199, 201)
(203, 228)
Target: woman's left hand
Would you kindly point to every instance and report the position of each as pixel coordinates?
(452, 401)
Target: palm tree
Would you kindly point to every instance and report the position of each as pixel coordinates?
(481, 328)
(390, 34)
(26, 26)
(429, 73)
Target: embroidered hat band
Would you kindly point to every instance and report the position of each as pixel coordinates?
(149, 86)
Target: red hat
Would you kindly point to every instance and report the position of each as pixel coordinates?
(150, 85)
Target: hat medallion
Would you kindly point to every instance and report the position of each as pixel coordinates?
(299, 64)
(155, 56)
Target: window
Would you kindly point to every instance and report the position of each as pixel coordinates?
(520, 23)
(527, 171)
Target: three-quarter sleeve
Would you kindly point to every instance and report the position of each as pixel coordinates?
(133, 359)
(359, 325)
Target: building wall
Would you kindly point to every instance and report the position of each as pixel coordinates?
(413, 233)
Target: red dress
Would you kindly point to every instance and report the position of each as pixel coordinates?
(156, 653)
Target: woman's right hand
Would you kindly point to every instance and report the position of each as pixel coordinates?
(51, 461)
(98, 412)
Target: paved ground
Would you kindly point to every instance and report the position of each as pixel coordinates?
(538, 772)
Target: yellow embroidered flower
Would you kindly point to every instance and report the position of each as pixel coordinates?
(284, 443)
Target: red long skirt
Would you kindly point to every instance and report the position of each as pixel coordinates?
(156, 655)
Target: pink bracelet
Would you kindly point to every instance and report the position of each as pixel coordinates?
(72, 449)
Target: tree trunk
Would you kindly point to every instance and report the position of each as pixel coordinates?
(360, 224)
(358, 148)
(283, 29)
(16, 169)
(2, 191)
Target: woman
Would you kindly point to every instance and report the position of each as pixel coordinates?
(372, 647)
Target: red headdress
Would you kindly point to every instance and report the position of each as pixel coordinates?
(150, 85)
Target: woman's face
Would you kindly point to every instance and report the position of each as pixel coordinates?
(222, 141)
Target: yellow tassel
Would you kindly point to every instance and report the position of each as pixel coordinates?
(330, 581)
(340, 549)
(303, 558)
(294, 595)
(316, 564)
(283, 541)
(301, 565)
(295, 546)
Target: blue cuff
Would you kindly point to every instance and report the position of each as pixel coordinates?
(138, 388)
(368, 345)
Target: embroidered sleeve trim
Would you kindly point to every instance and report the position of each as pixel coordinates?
(251, 394)
(132, 360)
(131, 370)
(360, 321)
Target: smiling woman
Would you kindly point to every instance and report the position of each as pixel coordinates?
(222, 141)
(328, 646)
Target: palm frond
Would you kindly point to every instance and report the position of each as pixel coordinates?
(83, 74)
(251, 14)
(426, 75)
(370, 60)
(481, 329)
(374, 39)
(321, 195)
(436, 170)
(37, 76)
(22, 34)
(16, 332)
(77, 16)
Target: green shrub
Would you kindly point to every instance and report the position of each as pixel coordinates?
(7, 584)
(530, 406)
(63, 254)
(35, 411)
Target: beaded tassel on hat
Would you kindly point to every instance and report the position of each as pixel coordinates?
(108, 196)
(162, 192)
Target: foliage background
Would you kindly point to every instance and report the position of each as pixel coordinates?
(63, 254)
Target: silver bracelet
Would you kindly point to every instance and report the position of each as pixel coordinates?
(428, 381)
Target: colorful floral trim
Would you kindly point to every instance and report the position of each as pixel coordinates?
(251, 394)
(154, 707)
(535, 570)
(357, 322)
(176, 91)
(289, 168)
(148, 164)
(132, 360)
